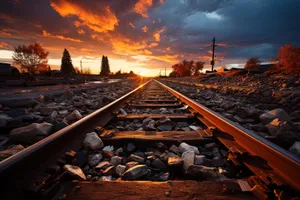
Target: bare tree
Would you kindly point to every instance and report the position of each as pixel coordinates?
(253, 63)
(30, 57)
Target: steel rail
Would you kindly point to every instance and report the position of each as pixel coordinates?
(285, 164)
(20, 170)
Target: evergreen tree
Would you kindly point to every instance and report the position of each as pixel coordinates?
(66, 63)
(105, 71)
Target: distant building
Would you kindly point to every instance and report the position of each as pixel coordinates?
(8, 70)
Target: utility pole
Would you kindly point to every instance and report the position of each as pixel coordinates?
(213, 54)
(81, 66)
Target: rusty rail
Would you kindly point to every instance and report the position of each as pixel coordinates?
(285, 164)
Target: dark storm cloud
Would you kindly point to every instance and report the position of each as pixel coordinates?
(175, 28)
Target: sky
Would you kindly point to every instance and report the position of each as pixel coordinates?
(147, 36)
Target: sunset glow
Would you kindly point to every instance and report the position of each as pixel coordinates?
(144, 36)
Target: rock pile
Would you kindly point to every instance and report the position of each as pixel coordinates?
(158, 163)
(28, 121)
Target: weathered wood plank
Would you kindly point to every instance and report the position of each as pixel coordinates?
(155, 105)
(155, 116)
(180, 190)
(156, 135)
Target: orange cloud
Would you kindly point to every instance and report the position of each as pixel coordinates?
(153, 44)
(5, 33)
(131, 25)
(49, 35)
(4, 45)
(104, 22)
(145, 29)
(81, 31)
(125, 46)
(168, 49)
(141, 7)
(156, 35)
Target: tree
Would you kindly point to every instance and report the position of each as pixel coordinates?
(86, 71)
(66, 63)
(188, 68)
(105, 70)
(197, 67)
(30, 57)
(252, 63)
(174, 74)
(289, 59)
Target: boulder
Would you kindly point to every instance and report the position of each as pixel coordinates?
(135, 172)
(158, 164)
(278, 127)
(136, 158)
(185, 147)
(271, 115)
(93, 141)
(164, 124)
(103, 165)
(148, 124)
(131, 164)
(188, 158)
(116, 160)
(94, 159)
(11, 150)
(120, 169)
(73, 117)
(175, 161)
(202, 172)
(31, 133)
(75, 171)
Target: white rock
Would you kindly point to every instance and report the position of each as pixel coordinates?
(75, 171)
(185, 147)
(92, 141)
(295, 148)
(31, 133)
(106, 178)
(188, 158)
(120, 169)
(94, 159)
(73, 116)
(195, 128)
(116, 160)
(199, 159)
(108, 148)
(271, 115)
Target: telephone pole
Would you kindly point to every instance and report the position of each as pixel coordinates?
(81, 66)
(213, 54)
(165, 71)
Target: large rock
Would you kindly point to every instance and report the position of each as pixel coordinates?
(75, 171)
(93, 141)
(278, 127)
(149, 124)
(183, 147)
(271, 115)
(295, 148)
(10, 151)
(136, 158)
(94, 159)
(31, 133)
(135, 172)
(158, 164)
(120, 169)
(188, 158)
(73, 116)
(164, 124)
(202, 172)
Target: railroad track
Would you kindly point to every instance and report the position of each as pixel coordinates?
(180, 149)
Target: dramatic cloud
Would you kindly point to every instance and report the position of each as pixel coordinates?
(141, 7)
(49, 35)
(106, 21)
(150, 34)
